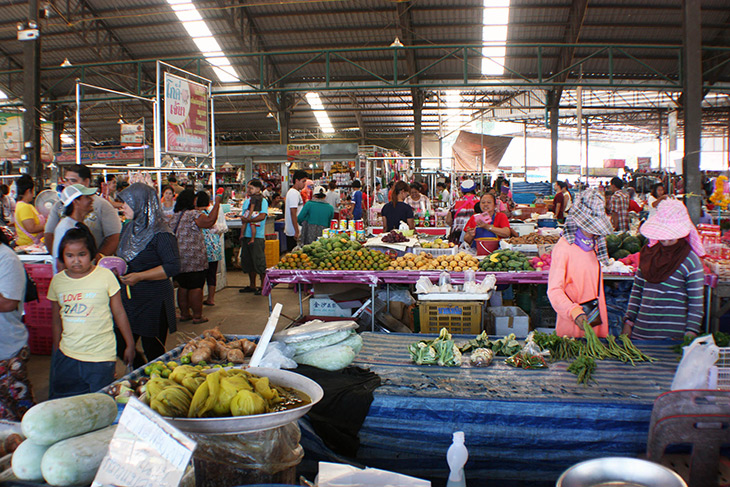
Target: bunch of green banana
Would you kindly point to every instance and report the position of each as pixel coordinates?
(172, 401)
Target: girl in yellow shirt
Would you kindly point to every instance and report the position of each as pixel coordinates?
(86, 305)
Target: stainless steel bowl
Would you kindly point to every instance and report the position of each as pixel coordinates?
(257, 422)
(619, 472)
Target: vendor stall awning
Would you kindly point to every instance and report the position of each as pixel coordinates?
(468, 151)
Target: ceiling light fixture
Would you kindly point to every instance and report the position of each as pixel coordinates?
(396, 43)
(66, 63)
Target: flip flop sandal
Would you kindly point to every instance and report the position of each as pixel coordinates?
(257, 292)
(208, 304)
(247, 289)
(184, 320)
(200, 321)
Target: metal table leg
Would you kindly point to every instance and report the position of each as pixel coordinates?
(372, 315)
(387, 296)
(301, 306)
(272, 292)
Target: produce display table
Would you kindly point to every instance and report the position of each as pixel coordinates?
(374, 279)
(522, 427)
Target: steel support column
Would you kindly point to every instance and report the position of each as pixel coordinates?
(418, 99)
(283, 117)
(32, 98)
(554, 112)
(692, 96)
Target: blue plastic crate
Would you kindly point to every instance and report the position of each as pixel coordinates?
(523, 198)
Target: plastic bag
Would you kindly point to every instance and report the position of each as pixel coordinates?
(220, 226)
(424, 285)
(697, 358)
(278, 356)
(444, 278)
(469, 276)
(313, 329)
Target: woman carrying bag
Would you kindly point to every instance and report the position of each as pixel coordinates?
(575, 282)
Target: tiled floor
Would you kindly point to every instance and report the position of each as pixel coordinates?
(234, 313)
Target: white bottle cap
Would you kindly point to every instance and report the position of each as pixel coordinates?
(458, 436)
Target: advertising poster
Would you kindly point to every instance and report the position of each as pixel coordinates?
(11, 137)
(132, 134)
(643, 164)
(614, 163)
(186, 117)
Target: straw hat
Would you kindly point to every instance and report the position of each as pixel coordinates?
(589, 213)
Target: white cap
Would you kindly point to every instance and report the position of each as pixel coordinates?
(72, 192)
(319, 190)
(468, 185)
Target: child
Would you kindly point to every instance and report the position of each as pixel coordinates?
(254, 208)
(86, 305)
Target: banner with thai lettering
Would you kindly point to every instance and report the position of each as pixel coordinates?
(100, 156)
(303, 152)
(643, 164)
(11, 137)
(131, 134)
(186, 117)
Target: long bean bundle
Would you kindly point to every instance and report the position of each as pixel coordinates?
(637, 354)
(583, 367)
(594, 348)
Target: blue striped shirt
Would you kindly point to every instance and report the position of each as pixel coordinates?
(671, 308)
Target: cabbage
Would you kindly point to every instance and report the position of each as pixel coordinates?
(331, 358)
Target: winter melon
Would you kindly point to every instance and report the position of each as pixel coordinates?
(52, 421)
(26, 461)
(75, 461)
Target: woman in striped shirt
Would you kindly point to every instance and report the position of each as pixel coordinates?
(667, 297)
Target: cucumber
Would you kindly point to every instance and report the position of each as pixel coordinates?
(26, 460)
(75, 461)
(52, 421)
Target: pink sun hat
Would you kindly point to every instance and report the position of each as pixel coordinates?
(671, 221)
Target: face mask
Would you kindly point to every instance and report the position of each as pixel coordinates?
(585, 243)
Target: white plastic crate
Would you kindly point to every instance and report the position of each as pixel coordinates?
(719, 377)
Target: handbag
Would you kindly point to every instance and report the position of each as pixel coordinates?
(591, 308)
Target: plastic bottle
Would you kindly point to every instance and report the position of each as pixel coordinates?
(456, 457)
(427, 219)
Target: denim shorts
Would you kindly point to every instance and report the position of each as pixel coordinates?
(71, 377)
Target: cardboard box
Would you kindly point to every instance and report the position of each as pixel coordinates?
(324, 306)
(503, 320)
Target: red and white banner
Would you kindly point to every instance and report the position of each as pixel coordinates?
(186, 117)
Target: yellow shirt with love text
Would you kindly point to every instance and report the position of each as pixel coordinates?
(88, 328)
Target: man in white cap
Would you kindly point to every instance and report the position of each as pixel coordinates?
(77, 202)
(462, 210)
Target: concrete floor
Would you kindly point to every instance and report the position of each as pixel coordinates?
(233, 313)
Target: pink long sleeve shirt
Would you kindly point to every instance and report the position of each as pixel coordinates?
(574, 278)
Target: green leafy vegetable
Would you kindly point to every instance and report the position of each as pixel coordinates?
(583, 367)
(440, 351)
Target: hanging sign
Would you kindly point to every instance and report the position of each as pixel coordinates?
(614, 163)
(11, 137)
(643, 164)
(569, 170)
(99, 156)
(303, 152)
(132, 134)
(186, 117)
(603, 172)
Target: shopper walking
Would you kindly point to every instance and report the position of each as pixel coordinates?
(77, 203)
(151, 252)
(315, 216)
(461, 211)
(16, 392)
(357, 200)
(667, 297)
(333, 196)
(575, 282)
(253, 237)
(619, 206)
(86, 305)
(28, 222)
(187, 223)
(396, 210)
(293, 204)
(103, 221)
(560, 207)
(213, 248)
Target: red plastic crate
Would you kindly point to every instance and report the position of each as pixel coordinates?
(40, 339)
(41, 275)
(38, 313)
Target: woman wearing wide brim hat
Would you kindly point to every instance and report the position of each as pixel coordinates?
(668, 293)
(575, 282)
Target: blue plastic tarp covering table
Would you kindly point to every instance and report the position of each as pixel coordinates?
(523, 427)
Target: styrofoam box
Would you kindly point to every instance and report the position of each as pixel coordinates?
(323, 306)
(509, 319)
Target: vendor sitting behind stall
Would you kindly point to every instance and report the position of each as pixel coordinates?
(416, 200)
(396, 210)
(461, 211)
(575, 282)
(486, 226)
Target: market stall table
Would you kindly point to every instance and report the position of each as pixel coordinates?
(522, 427)
(438, 231)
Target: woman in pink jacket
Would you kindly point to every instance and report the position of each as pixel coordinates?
(575, 279)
